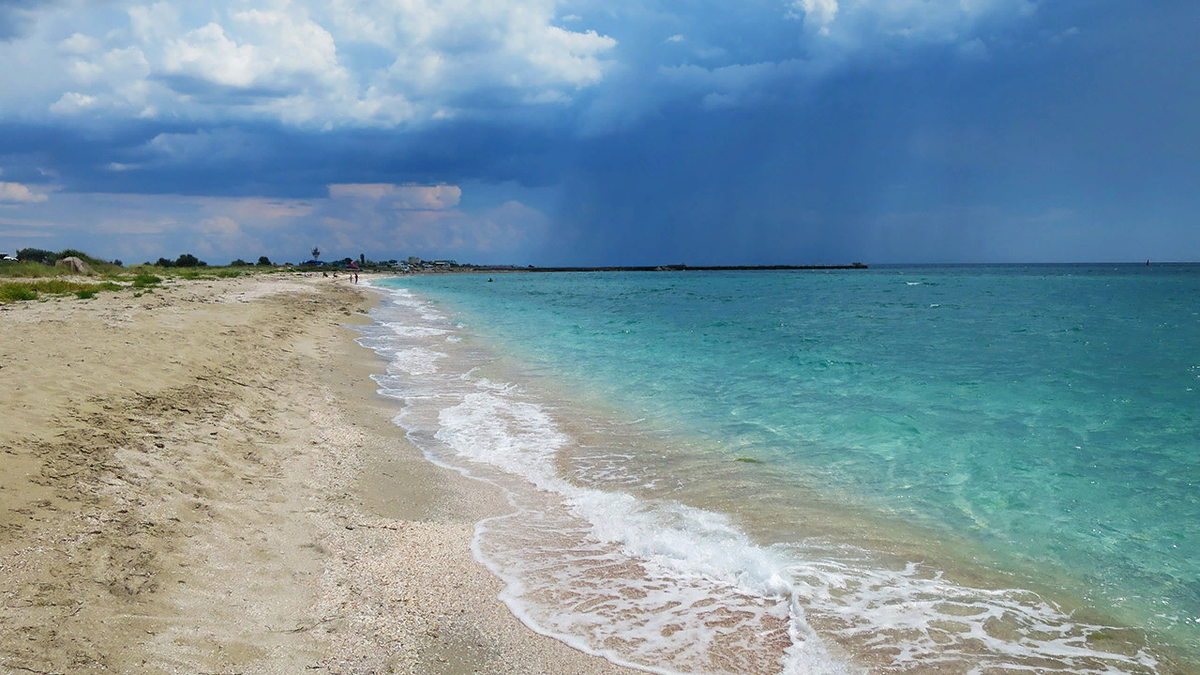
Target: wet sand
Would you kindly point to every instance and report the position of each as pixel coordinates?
(203, 479)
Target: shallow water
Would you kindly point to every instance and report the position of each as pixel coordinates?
(909, 469)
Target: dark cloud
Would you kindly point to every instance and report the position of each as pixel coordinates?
(937, 160)
(273, 160)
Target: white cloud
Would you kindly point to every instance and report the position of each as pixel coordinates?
(867, 25)
(675, 38)
(275, 50)
(72, 102)
(154, 22)
(287, 60)
(16, 193)
(79, 43)
(410, 197)
(820, 12)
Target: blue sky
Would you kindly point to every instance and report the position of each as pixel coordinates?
(616, 132)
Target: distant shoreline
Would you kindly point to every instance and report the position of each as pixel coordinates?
(651, 268)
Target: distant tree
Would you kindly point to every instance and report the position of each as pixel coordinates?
(239, 263)
(37, 255)
(189, 260)
(347, 261)
(362, 259)
(263, 261)
(163, 262)
(316, 253)
(75, 253)
(118, 262)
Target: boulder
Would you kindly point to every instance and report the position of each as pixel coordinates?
(78, 266)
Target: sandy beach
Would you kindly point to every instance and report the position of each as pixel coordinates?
(202, 479)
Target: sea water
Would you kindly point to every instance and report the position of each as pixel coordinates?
(914, 469)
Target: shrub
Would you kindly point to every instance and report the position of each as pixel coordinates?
(75, 253)
(263, 261)
(163, 262)
(145, 280)
(28, 270)
(239, 263)
(189, 260)
(37, 255)
(16, 292)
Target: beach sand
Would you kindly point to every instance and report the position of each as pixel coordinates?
(202, 479)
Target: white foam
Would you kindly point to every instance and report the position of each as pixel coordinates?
(415, 361)
(415, 331)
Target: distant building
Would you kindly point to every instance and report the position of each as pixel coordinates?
(414, 260)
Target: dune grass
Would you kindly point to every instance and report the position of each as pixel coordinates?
(16, 291)
(145, 280)
(29, 280)
(31, 270)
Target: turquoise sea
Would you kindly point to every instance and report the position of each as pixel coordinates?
(958, 469)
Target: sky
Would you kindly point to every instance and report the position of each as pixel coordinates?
(612, 132)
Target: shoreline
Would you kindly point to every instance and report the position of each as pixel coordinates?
(204, 479)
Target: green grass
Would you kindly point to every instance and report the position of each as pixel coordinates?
(13, 292)
(30, 270)
(36, 270)
(36, 278)
(16, 291)
(144, 280)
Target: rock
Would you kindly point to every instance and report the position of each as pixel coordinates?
(78, 266)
